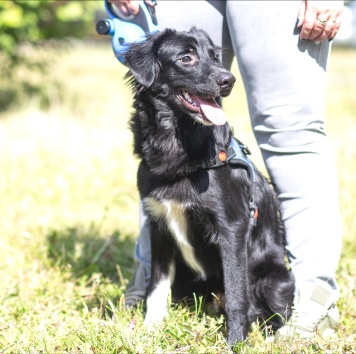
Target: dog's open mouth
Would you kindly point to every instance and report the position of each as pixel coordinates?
(207, 109)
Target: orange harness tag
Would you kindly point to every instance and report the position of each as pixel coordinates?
(222, 156)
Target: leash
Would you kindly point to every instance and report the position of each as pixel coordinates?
(236, 154)
(127, 29)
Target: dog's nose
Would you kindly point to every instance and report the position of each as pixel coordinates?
(226, 80)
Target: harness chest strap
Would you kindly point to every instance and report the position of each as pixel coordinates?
(236, 154)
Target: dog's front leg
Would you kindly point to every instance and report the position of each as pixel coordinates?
(234, 261)
(162, 275)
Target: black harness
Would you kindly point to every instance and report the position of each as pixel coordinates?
(236, 154)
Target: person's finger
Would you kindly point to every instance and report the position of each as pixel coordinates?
(308, 25)
(301, 14)
(328, 28)
(129, 8)
(336, 28)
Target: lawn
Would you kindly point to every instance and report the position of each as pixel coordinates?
(69, 217)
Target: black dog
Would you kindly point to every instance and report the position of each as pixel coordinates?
(199, 190)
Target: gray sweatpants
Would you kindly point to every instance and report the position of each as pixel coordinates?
(285, 82)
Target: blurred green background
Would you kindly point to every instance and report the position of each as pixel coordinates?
(26, 26)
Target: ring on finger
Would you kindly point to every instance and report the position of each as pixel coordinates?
(322, 22)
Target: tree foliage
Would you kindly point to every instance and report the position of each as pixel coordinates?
(29, 24)
(36, 20)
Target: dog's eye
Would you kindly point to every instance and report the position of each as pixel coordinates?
(214, 57)
(186, 59)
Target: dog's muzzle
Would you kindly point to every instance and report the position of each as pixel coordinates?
(226, 82)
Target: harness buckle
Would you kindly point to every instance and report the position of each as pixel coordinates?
(253, 213)
(245, 149)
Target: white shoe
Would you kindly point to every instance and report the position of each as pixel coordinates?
(314, 312)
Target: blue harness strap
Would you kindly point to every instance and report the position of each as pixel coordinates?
(240, 158)
(236, 154)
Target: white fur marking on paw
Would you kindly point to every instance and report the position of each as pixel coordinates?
(157, 301)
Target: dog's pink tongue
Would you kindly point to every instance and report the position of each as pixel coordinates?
(212, 111)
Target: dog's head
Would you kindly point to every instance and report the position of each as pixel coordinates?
(185, 68)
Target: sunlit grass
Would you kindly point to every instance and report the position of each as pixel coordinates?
(69, 218)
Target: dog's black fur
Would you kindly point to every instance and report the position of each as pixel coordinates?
(205, 209)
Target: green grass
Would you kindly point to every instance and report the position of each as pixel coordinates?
(69, 218)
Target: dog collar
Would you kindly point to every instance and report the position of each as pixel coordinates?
(236, 154)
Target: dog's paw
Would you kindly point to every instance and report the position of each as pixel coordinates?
(155, 317)
(236, 336)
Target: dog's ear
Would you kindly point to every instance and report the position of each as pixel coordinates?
(142, 60)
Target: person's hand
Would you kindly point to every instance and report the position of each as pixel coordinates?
(129, 7)
(319, 20)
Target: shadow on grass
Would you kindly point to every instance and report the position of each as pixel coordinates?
(85, 252)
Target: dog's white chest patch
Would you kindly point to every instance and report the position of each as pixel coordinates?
(173, 214)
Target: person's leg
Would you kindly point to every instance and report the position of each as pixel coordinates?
(136, 289)
(285, 85)
(182, 16)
